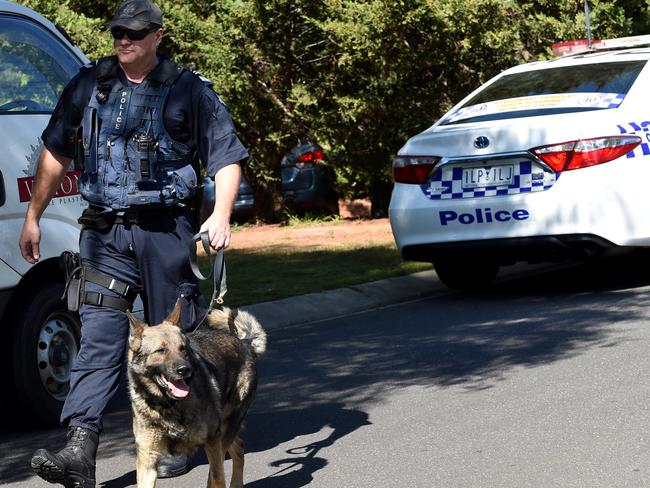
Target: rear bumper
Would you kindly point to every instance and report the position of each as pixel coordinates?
(244, 207)
(512, 250)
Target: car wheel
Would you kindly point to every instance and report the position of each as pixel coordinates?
(44, 344)
(465, 275)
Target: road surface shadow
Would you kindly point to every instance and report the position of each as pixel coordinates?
(270, 428)
(627, 271)
(265, 429)
(472, 340)
(324, 376)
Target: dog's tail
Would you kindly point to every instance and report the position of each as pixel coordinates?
(243, 325)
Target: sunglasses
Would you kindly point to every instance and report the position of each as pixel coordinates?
(134, 35)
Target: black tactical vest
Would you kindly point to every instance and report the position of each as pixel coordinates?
(129, 158)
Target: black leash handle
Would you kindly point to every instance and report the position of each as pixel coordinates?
(217, 270)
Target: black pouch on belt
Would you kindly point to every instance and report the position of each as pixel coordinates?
(73, 273)
(93, 218)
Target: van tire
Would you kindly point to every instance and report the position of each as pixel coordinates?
(44, 343)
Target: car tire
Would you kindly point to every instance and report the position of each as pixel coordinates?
(465, 275)
(44, 344)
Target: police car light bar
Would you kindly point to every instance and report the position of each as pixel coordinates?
(624, 42)
(576, 47)
(413, 169)
(573, 47)
(583, 153)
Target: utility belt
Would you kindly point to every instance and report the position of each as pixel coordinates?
(100, 219)
(76, 276)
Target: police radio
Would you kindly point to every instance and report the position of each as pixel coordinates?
(145, 148)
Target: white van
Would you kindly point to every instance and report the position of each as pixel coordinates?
(40, 338)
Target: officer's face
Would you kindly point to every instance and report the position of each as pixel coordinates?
(133, 53)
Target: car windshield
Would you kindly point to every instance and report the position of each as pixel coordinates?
(550, 91)
(35, 66)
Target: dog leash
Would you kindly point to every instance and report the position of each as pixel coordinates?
(217, 269)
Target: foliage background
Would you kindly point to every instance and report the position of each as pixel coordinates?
(357, 76)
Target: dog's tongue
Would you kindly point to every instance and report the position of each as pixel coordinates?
(178, 388)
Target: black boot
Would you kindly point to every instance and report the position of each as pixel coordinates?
(74, 465)
(173, 465)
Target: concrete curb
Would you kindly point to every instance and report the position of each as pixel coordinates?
(329, 304)
(314, 307)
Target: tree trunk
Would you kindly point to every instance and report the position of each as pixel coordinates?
(380, 197)
(268, 201)
(381, 184)
(267, 193)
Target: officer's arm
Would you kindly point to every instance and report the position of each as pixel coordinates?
(226, 183)
(51, 170)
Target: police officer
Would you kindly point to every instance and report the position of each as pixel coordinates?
(138, 127)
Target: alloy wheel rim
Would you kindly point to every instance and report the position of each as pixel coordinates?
(56, 350)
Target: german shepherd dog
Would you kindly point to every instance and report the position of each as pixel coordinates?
(191, 390)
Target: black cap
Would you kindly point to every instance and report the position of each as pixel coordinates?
(136, 15)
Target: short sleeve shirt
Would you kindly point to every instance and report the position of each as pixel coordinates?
(193, 115)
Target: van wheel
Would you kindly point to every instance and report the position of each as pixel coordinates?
(44, 345)
(465, 275)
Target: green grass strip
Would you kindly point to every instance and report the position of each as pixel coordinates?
(268, 274)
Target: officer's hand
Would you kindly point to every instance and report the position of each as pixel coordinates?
(218, 227)
(30, 238)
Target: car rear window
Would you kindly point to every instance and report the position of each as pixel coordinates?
(35, 66)
(565, 89)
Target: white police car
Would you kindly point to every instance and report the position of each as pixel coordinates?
(39, 336)
(546, 161)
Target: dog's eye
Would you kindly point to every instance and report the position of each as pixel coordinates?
(162, 350)
(181, 349)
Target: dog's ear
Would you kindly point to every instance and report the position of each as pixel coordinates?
(175, 317)
(137, 328)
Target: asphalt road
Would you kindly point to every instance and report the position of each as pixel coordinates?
(538, 382)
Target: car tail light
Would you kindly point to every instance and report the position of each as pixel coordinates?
(413, 169)
(585, 152)
(314, 157)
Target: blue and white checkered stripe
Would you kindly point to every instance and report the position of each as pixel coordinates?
(611, 100)
(447, 183)
(641, 129)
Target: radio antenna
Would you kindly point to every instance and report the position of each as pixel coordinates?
(588, 24)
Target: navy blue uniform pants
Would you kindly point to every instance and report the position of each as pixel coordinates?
(153, 258)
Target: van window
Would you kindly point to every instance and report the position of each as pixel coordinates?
(35, 66)
(566, 89)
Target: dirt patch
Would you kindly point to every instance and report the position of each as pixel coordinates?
(343, 233)
(354, 209)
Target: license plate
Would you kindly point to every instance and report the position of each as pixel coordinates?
(484, 176)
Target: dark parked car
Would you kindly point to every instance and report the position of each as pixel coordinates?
(308, 184)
